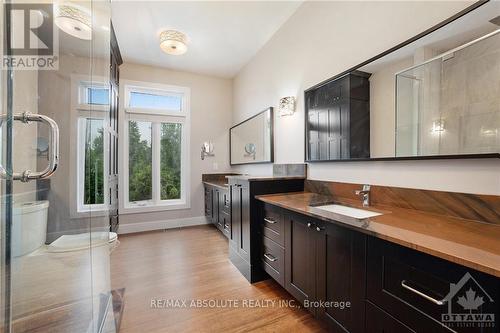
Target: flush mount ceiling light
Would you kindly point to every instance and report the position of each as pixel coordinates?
(74, 21)
(287, 106)
(173, 42)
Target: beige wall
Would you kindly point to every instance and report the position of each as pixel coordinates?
(323, 39)
(210, 121)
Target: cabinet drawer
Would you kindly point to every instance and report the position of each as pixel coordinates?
(416, 288)
(378, 321)
(272, 256)
(272, 224)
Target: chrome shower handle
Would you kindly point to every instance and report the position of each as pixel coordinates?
(27, 175)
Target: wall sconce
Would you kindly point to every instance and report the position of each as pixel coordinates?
(437, 126)
(207, 149)
(287, 106)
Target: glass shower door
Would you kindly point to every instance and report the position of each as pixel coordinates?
(54, 203)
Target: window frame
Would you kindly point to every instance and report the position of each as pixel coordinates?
(156, 116)
(81, 110)
(160, 90)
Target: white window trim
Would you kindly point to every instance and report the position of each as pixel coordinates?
(155, 116)
(81, 207)
(78, 111)
(158, 89)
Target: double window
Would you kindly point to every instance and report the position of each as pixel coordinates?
(156, 147)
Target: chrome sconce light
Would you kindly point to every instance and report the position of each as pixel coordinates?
(207, 149)
(287, 106)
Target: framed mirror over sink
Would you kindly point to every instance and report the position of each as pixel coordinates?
(251, 141)
(434, 96)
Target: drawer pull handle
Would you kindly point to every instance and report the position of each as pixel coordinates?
(269, 220)
(421, 294)
(270, 257)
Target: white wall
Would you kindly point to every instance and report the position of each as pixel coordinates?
(210, 121)
(323, 39)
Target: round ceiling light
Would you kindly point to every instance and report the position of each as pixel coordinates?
(173, 42)
(74, 21)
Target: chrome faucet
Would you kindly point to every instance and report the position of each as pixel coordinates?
(366, 195)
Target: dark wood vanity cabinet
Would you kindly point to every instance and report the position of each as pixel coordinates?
(217, 208)
(389, 288)
(245, 245)
(338, 119)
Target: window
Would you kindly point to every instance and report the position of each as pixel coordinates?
(167, 101)
(91, 146)
(93, 94)
(90, 116)
(156, 149)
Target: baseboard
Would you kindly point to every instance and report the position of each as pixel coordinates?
(159, 225)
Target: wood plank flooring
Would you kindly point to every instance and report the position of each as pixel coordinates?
(192, 264)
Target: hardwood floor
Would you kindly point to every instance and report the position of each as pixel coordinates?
(192, 264)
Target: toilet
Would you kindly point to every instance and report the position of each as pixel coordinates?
(29, 231)
(29, 226)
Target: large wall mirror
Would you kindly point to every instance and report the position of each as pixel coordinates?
(438, 94)
(251, 141)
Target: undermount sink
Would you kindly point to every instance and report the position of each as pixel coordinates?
(348, 211)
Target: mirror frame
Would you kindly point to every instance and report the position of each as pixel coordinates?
(271, 160)
(392, 49)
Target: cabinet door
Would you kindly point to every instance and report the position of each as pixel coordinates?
(235, 215)
(341, 277)
(323, 134)
(215, 207)
(313, 135)
(300, 258)
(345, 130)
(208, 202)
(334, 132)
(244, 233)
(378, 321)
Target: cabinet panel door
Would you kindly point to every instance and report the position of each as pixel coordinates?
(215, 207)
(345, 129)
(235, 215)
(378, 321)
(323, 134)
(244, 233)
(300, 258)
(313, 135)
(341, 277)
(334, 132)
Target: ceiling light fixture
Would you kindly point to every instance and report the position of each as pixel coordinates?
(74, 21)
(173, 42)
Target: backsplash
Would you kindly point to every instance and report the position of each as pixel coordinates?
(483, 208)
(290, 170)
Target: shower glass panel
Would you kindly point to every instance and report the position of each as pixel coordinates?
(55, 227)
(450, 104)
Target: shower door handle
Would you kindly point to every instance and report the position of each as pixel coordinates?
(27, 175)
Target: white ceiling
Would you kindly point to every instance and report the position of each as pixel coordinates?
(222, 36)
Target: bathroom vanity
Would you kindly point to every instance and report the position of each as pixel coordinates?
(397, 270)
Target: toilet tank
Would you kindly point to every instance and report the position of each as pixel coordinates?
(29, 226)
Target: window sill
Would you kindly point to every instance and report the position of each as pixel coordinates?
(151, 207)
(101, 211)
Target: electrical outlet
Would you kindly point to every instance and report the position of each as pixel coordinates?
(215, 166)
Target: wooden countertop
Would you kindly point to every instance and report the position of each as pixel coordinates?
(466, 242)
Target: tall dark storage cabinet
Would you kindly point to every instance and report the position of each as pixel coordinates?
(338, 119)
(114, 79)
(244, 239)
